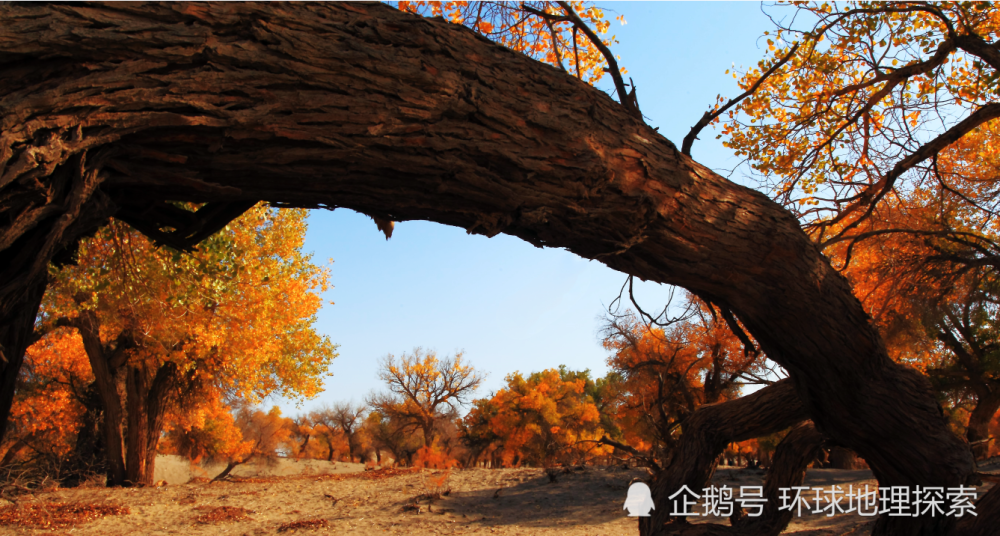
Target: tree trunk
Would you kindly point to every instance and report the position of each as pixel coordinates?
(984, 522)
(157, 403)
(13, 450)
(403, 118)
(791, 458)
(147, 400)
(841, 458)
(709, 430)
(104, 378)
(17, 321)
(45, 228)
(229, 468)
(978, 431)
(329, 452)
(302, 447)
(89, 455)
(88, 449)
(428, 430)
(136, 440)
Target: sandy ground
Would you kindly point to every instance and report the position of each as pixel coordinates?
(481, 501)
(179, 470)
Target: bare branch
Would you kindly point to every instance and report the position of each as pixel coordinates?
(711, 116)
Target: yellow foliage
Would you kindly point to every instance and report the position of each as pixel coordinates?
(510, 25)
(234, 316)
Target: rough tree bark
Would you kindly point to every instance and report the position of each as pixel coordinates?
(88, 450)
(105, 362)
(978, 431)
(710, 429)
(147, 396)
(120, 107)
(985, 522)
(787, 470)
(17, 323)
(791, 458)
(130, 456)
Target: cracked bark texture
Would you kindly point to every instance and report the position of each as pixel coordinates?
(115, 107)
(791, 458)
(707, 433)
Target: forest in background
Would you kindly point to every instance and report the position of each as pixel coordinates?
(183, 335)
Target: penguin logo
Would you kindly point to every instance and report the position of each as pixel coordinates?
(639, 500)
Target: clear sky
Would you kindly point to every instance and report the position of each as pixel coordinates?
(508, 305)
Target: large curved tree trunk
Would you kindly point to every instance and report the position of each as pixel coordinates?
(17, 323)
(793, 455)
(710, 429)
(978, 431)
(403, 118)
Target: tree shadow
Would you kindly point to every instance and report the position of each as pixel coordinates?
(588, 496)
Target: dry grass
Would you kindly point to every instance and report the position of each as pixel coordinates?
(56, 515)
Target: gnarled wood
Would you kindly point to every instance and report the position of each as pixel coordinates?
(787, 470)
(16, 326)
(404, 118)
(712, 427)
(707, 433)
(984, 523)
(793, 455)
(105, 369)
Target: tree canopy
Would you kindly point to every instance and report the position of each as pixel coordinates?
(234, 317)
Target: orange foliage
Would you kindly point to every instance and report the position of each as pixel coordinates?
(56, 515)
(207, 431)
(433, 457)
(926, 272)
(195, 309)
(46, 411)
(541, 420)
(424, 391)
(665, 374)
(234, 316)
(509, 24)
(831, 123)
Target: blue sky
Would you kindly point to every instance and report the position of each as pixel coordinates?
(508, 305)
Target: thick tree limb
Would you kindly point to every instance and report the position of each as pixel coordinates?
(987, 517)
(16, 333)
(711, 428)
(787, 470)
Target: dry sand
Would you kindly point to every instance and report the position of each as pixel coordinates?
(481, 501)
(179, 470)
